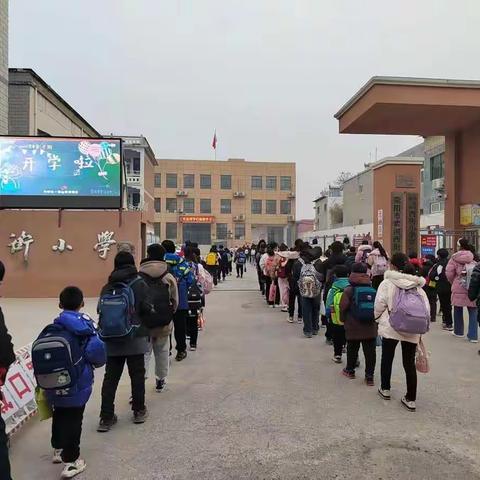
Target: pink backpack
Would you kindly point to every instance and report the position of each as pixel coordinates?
(205, 280)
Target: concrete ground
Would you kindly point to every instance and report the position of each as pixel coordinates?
(259, 401)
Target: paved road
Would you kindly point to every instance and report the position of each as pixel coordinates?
(258, 401)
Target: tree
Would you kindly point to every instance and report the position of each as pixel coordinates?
(336, 214)
(342, 178)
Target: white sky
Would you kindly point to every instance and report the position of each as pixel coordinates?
(268, 74)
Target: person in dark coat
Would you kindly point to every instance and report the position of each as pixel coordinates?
(474, 289)
(357, 332)
(351, 253)
(443, 288)
(130, 351)
(7, 357)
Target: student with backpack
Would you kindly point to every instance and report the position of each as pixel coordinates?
(163, 296)
(438, 279)
(357, 314)
(123, 304)
(282, 277)
(196, 299)
(474, 288)
(270, 263)
(402, 311)
(258, 263)
(459, 272)
(64, 356)
(332, 307)
(429, 287)
(225, 258)
(212, 264)
(240, 261)
(363, 252)
(7, 357)
(377, 261)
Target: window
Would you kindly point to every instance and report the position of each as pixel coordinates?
(285, 183)
(221, 231)
(256, 207)
(256, 183)
(360, 188)
(189, 205)
(335, 192)
(171, 180)
(436, 167)
(205, 181)
(225, 205)
(205, 205)
(239, 231)
(436, 207)
(188, 180)
(171, 231)
(271, 207)
(171, 205)
(156, 229)
(158, 179)
(157, 205)
(226, 182)
(285, 207)
(271, 183)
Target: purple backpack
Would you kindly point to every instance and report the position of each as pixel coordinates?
(409, 313)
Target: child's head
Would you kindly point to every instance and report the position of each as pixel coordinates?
(341, 271)
(169, 246)
(359, 267)
(442, 253)
(155, 251)
(71, 299)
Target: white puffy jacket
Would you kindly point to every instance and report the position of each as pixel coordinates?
(384, 303)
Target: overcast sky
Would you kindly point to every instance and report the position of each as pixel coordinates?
(267, 74)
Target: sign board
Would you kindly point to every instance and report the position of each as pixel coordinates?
(428, 244)
(380, 223)
(466, 215)
(197, 219)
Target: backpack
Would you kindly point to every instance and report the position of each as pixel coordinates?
(282, 270)
(466, 276)
(159, 297)
(241, 258)
(380, 265)
(309, 283)
(365, 254)
(335, 310)
(409, 313)
(116, 312)
(211, 259)
(229, 257)
(57, 358)
(194, 296)
(205, 280)
(363, 302)
(270, 266)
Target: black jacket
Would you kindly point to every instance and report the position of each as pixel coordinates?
(7, 355)
(437, 274)
(328, 266)
(474, 289)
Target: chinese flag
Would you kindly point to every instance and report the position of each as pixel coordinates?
(214, 141)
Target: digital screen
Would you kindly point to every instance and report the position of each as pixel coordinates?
(57, 172)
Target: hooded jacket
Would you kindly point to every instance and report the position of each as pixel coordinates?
(94, 355)
(455, 267)
(339, 284)
(138, 344)
(384, 302)
(183, 273)
(354, 329)
(474, 288)
(360, 252)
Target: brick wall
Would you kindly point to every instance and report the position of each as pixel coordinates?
(3, 67)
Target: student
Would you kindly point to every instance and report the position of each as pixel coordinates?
(185, 278)
(363, 252)
(225, 258)
(7, 357)
(474, 287)
(270, 263)
(350, 254)
(294, 294)
(332, 307)
(258, 258)
(400, 277)
(212, 264)
(240, 260)
(377, 262)
(429, 287)
(163, 294)
(131, 350)
(439, 281)
(196, 299)
(357, 314)
(282, 277)
(416, 262)
(68, 404)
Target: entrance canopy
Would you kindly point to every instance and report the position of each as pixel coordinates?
(411, 106)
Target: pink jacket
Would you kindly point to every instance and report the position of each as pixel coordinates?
(454, 272)
(360, 251)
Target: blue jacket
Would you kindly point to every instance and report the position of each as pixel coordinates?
(94, 355)
(183, 273)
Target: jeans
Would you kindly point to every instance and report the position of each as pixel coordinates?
(261, 281)
(369, 351)
(66, 431)
(180, 329)
(338, 337)
(311, 314)
(458, 324)
(113, 372)
(4, 461)
(239, 270)
(192, 327)
(408, 355)
(160, 347)
(293, 296)
(445, 299)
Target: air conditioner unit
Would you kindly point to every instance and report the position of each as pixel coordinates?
(291, 218)
(182, 193)
(291, 195)
(239, 218)
(438, 184)
(239, 194)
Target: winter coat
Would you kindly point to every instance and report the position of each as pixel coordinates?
(94, 356)
(474, 289)
(350, 259)
(138, 344)
(437, 274)
(339, 284)
(361, 251)
(455, 267)
(328, 266)
(384, 303)
(7, 354)
(372, 259)
(354, 329)
(417, 263)
(183, 273)
(154, 269)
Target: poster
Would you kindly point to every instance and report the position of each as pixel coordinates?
(428, 245)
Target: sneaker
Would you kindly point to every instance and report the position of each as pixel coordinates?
(456, 335)
(348, 374)
(285, 309)
(300, 320)
(181, 356)
(315, 332)
(74, 468)
(193, 348)
(410, 406)
(307, 335)
(290, 319)
(447, 328)
(140, 416)
(106, 425)
(472, 340)
(57, 456)
(160, 385)
(337, 359)
(369, 381)
(385, 394)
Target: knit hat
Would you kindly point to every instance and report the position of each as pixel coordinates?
(123, 258)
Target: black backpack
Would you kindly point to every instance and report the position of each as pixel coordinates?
(194, 297)
(159, 297)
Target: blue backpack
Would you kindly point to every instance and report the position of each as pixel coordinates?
(116, 312)
(363, 304)
(58, 358)
(242, 258)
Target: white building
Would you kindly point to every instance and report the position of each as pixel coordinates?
(328, 209)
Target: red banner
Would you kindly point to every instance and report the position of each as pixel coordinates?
(197, 219)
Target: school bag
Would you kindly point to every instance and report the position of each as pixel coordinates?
(194, 296)
(229, 257)
(205, 280)
(159, 297)
(211, 259)
(335, 310)
(363, 302)
(116, 312)
(466, 276)
(309, 283)
(270, 266)
(58, 358)
(282, 269)
(409, 313)
(380, 265)
(241, 258)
